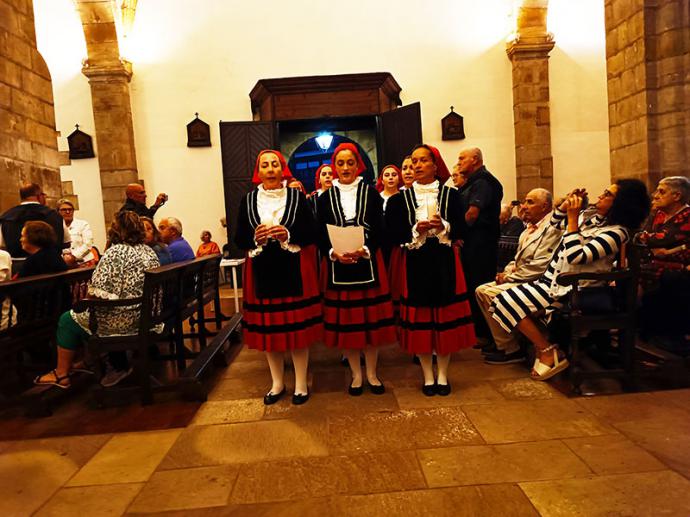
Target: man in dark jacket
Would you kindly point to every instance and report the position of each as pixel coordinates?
(136, 201)
(481, 196)
(31, 208)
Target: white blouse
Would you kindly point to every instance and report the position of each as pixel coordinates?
(271, 207)
(348, 197)
(427, 207)
(81, 238)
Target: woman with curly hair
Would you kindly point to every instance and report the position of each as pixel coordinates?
(119, 275)
(592, 246)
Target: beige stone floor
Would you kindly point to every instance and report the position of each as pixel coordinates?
(500, 444)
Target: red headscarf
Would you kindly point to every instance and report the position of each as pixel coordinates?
(442, 172)
(287, 175)
(347, 146)
(317, 177)
(379, 181)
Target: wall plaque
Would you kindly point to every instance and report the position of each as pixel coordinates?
(452, 126)
(198, 133)
(80, 145)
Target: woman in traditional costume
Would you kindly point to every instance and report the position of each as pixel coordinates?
(282, 304)
(323, 180)
(388, 183)
(435, 313)
(358, 315)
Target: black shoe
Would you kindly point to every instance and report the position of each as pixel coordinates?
(355, 392)
(501, 357)
(490, 349)
(443, 389)
(344, 361)
(299, 399)
(415, 359)
(429, 390)
(271, 398)
(379, 389)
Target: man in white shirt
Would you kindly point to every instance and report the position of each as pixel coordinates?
(536, 246)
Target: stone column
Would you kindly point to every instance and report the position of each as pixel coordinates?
(529, 53)
(648, 68)
(28, 139)
(109, 77)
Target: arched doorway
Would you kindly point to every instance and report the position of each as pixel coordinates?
(309, 156)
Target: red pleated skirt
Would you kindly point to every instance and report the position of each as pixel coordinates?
(354, 319)
(289, 323)
(444, 329)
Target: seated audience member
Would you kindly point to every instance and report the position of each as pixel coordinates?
(80, 252)
(5, 275)
(591, 247)
(153, 239)
(128, 253)
(456, 177)
(511, 228)
(207, 246)
(171, 232)
(136, 201)
(39, 242)
(665, 277)
(536, 246)
(31, 208)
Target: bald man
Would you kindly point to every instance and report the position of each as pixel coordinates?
(536, 246)
(136, 201)
(480, 196)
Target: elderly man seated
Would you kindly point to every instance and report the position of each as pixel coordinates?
(171, 232)
(665, 276)
(536, 246)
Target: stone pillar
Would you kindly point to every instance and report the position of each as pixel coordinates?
(28, 139)
(109, 77)
(529, 53)
(648, 68)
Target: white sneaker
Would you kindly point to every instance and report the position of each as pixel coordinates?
(113, 377)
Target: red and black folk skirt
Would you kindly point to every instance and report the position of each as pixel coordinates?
(355, 319)
(442, 329)
(288, 323)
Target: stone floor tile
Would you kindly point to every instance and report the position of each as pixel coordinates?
(401, 376)
(229, 412)
(247, 442)
(248, 368)
(485, 501)
(306, 478)
(185, 489)
(461, 394)
(32, 470)
(633, 406)
(329, 380)
(678, 397)
(255, 386)
(321, 404)
(105, 500)
(533, 420)
(400, 430)
(126, 458)
(613, 454)
(479, 371)
(649, 493)
(526, 389)
(490, 464)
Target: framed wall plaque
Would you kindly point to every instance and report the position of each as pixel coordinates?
(452, 126)
(80, 144)
(198, 133)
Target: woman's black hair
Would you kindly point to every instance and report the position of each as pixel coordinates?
(631, 205)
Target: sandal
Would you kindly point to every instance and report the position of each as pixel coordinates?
(544, 371)
(56, 381)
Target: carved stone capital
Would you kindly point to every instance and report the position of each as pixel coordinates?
(106, 72)
(530, 48)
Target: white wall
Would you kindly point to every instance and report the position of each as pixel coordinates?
(206, 56)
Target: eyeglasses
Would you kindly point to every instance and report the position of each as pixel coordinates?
(66, 210)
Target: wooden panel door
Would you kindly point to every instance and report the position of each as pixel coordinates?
(399, 131)
(240, 142)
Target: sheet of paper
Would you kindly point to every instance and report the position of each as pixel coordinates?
(346, 239)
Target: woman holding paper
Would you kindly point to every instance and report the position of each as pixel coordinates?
(358, 315)
(434, 311)
(282, 305)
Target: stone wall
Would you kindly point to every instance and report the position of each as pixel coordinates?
(648, 65)
(28, 140)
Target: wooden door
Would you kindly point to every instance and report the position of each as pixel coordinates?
(240, 142)
(399, 131)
